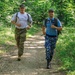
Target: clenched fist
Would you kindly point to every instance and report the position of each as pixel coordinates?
(19, 25)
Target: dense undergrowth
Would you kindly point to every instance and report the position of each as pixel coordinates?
(65, 50)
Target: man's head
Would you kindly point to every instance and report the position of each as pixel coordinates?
(22, 8)
(51, 13)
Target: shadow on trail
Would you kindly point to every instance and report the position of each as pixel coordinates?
(33, 60)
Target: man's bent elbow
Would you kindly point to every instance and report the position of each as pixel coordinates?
(11, 21)
(61, 28)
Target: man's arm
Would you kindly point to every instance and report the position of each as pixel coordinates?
(30, 22)
(55, 27)
(59, 27)
(13, 22)
(44, 30)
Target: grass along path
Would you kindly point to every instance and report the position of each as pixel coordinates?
(65, 51)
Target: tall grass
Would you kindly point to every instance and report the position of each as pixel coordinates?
(65, 50)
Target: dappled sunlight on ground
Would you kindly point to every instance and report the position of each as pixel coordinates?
(33, 60)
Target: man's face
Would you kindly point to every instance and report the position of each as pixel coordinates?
(22, 10)
(51, 14)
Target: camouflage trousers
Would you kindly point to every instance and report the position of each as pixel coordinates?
(50, 43)
(20, 37)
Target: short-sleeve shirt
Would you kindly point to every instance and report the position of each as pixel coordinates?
(50, 31)
(22, 19)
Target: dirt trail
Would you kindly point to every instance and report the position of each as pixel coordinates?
(33, 60)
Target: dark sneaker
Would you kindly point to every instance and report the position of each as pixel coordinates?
(49, 66)
(18, 59)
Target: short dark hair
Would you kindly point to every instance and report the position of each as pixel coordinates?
(22, 6)
(51, 10)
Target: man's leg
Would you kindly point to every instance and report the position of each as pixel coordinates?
(53, 45)
(17, 41)
(21, 44)
(50, 44)
(48, 49)
(17, 38)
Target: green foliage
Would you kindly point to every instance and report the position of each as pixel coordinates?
(66, 11)
(65, 50)
(33, 30)
(6, 35)
(39, 9)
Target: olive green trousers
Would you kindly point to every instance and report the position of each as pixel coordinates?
(20, 37)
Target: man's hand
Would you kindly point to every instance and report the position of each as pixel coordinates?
(44, 33)
(28, 27)
(19, 25)
(13, 22)
(43, 30)
(59, 28)
(53, 26)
